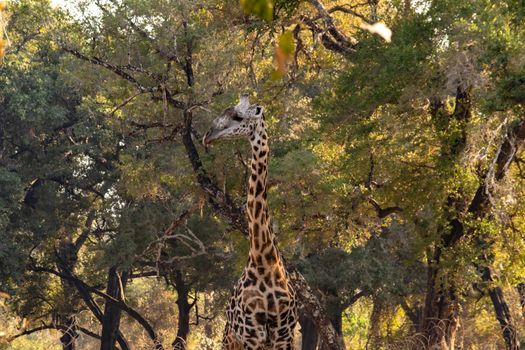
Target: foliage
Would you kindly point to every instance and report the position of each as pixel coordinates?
(372, 161)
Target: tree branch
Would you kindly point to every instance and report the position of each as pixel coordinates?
(162, 53)
(85, 232)
(513, 140)
(115, 69)
(83, 288)
(53, 326)
(383, 212)
(340, 43)
(345, 9)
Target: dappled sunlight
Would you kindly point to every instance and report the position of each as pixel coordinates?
(336, 174)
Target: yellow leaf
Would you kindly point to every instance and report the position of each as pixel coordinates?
(286, 43)
(283, 53)
(261, 8)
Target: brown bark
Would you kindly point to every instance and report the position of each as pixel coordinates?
(335, 314)
(309, 337)
(66, 261)
(374, 330)
(521, 292)
(184, 307)
(69, 334)
(441, 311)
(112, 314)
(502, 311)
(315, 311)
(439, 321)
(440, 306)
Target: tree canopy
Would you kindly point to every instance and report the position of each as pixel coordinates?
(396, 177)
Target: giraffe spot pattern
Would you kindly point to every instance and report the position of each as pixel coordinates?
(262, 312)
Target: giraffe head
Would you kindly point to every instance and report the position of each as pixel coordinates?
(238, 121)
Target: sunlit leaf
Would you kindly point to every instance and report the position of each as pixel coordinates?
(261, 8)
(283, 53)
(2, 25)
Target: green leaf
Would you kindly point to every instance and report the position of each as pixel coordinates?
(286, 43)
(283, 53)
(261, 8)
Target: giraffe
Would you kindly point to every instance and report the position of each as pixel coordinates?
(262, 312)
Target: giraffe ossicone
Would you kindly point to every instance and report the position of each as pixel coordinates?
(262, 312)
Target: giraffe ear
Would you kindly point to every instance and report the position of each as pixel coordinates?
(258, 112)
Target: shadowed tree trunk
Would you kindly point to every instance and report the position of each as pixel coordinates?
(336, 317)
(69, 334)
(66, 261)
(184, 307)
(374, 329)
(112, 313)
(334, 307)
(440, 312)
(335, 314)
(441, 302)
(502, 311)
(309, 338)
(440, 321)
(521, 291)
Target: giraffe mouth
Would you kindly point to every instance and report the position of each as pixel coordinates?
(210, 136)
(205, 140)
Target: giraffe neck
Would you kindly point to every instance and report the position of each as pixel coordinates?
(262, 248)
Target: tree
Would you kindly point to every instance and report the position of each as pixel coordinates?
(396, 173)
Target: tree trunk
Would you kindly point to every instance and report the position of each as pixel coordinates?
(112, 313)
(521, 291)
(69, 335)
(336, 317)
(440, 319)
(335, 313)
(309, 338)
(374, 330)
(312, 307)
(183, 329)
(502, 311)
(66, 261)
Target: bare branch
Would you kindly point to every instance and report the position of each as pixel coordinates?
(144, 274)
(383, 212)
(82, 286)
(53, 326)
(115, 69)
(345, 43)
(125, 102)
(85, 232)
(345, 9)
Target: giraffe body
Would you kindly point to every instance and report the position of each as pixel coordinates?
(262, 312)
